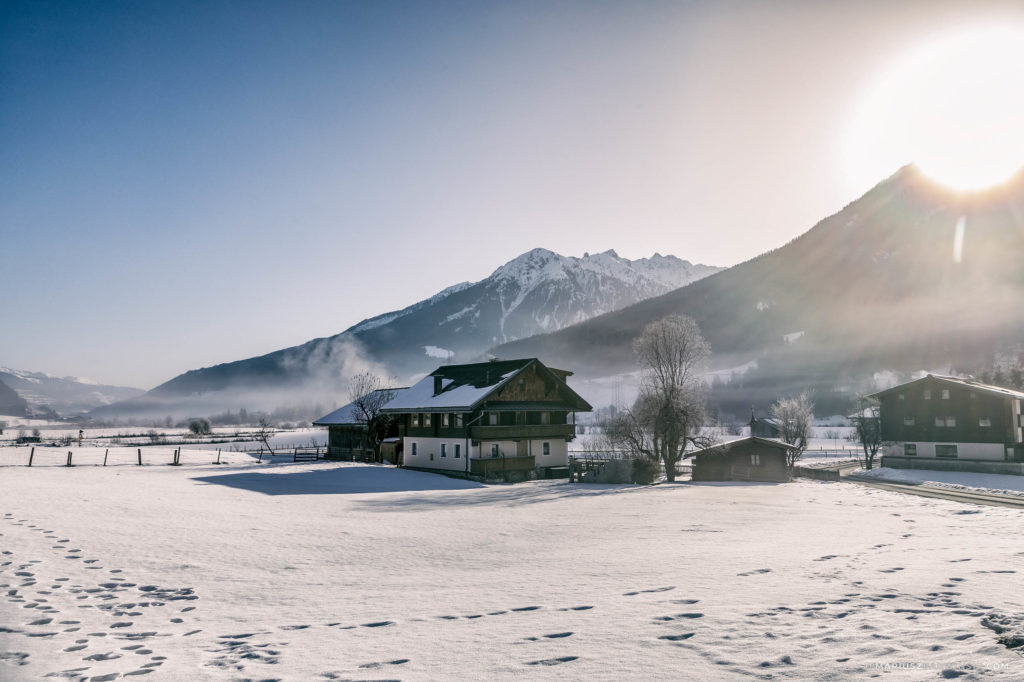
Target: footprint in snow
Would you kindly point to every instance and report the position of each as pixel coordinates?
(397, 661)
(655, 589)
(553, 661)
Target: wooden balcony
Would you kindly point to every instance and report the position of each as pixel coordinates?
(491, 467)
(523, 432)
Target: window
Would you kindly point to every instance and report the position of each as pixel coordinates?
(755, 460)
(444, 449)
(945, 451)
(545, 417)
(415, 420)
(945, 394)
(495, 452)
(444, 420)
(458, 450)
(984, 421)
(908, 421)
(910, 449)
(492, 418)
(973, 396)
(939, 421)
(458, 421)
(902, 396)
(927, 394)
(547, 448)
(414, 448)
(426, 419)
(950, 421)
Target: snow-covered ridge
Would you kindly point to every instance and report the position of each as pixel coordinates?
(564, 290)
(381, 320)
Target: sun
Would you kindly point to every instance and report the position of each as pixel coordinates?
(953, 106)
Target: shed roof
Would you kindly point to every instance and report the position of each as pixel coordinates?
(724, 448)
(956, 381)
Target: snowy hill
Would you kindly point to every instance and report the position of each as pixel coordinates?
(66, 395)
(911, 276)
(10, 402)
(537, 292)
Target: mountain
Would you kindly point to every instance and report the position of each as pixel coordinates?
(911, 276)
(11, 404)
(539, 291)
(66, 395)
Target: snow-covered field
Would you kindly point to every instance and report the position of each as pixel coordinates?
(348, 571)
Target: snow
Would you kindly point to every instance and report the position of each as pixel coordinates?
(792, 337)
(1005, 484)
(421, 395)
(346, 571)
(438, 352)
(381, 320)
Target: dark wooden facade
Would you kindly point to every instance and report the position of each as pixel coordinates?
(949, 410)
(746, 459)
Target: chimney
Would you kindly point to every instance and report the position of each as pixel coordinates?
(437, 384)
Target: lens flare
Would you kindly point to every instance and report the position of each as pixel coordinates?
(951, 106)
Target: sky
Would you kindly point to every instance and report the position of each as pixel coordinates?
(190, 183)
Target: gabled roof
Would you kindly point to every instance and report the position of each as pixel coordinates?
(955, 381)
(347, 415)
(464, 387)
(724, 448)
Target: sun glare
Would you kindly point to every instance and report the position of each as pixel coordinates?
(954, 107)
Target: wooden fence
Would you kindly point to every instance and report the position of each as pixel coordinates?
(149, 455)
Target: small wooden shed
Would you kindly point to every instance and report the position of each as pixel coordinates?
(746, 459)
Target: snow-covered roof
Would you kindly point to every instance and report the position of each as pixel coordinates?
(723, 448)
(463, 387)
(959, 381)
(347, 415)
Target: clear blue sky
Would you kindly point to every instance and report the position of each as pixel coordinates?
(183, 184)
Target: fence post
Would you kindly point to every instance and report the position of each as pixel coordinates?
(105, 456)
(218, 455)
(140, 456)
(69, 459)
(30, 456)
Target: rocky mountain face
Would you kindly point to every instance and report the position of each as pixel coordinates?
(537, 292)
(65, 395)
(911, 276)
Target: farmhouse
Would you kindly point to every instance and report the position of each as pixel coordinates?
(347, 433)
(948, 423)
(510, 419)
(746, 459)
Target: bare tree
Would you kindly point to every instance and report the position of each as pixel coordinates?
(368, 395)
(670, 410)
(867, 430)
(794, 416)
(263, 433)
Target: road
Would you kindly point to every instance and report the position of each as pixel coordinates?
(990, 499)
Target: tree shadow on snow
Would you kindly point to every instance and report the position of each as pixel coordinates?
(341, 481)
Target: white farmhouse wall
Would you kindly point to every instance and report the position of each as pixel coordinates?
(964, 451)
(428, 454)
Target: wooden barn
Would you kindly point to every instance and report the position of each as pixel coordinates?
(747, 459)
